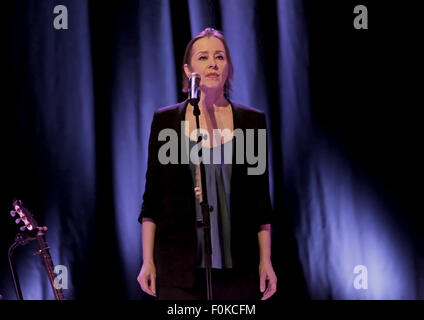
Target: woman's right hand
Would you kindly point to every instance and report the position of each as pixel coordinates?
(147, 278)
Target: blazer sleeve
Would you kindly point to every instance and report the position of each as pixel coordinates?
(150, 207)
(265, 213)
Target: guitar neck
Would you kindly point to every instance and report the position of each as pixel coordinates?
(48, 264)
(31, 225)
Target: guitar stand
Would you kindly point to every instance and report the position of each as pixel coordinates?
(21, 239)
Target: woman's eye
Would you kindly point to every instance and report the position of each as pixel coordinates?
(202, 58)
(220, 57)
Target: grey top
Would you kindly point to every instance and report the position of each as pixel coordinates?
(218, 183)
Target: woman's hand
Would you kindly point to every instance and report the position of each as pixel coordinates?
(266, 273)
(198, 192)
(147, 278)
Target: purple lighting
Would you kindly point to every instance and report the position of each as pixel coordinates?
(345, 225)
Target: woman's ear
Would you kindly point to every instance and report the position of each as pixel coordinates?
(187, 70)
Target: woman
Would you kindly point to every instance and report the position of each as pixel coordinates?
(173, 262)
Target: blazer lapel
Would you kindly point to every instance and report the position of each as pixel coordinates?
(237, 124)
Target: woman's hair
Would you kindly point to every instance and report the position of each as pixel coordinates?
(208, 32)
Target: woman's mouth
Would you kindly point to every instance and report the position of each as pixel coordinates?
(212, 75)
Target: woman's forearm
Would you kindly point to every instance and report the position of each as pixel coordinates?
(264, 239)
(148, 229)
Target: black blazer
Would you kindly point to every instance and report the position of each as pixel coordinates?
(169, 201)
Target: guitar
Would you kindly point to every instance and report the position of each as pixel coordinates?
(39, 233)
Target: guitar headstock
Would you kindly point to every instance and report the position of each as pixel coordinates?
(25, 216)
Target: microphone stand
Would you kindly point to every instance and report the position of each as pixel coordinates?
(205, 224)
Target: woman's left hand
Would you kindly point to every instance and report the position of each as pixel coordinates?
(266, 273)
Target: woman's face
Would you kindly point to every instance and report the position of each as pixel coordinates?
(208, 59)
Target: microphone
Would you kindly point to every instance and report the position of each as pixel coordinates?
(194, 88)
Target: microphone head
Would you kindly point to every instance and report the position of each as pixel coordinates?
(194, 75)
(194, 88)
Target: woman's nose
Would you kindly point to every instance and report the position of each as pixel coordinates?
(213, 64)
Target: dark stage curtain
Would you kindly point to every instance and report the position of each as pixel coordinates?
(77, 118)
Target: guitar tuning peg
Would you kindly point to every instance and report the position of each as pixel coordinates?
(22, 228)
(18, 220)
(13, 213)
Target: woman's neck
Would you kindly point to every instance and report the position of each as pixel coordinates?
(212, 98)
